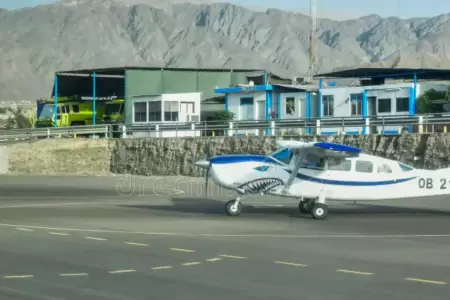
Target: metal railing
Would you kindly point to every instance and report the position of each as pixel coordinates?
(372, 125)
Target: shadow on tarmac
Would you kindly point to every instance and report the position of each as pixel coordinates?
(204, 206)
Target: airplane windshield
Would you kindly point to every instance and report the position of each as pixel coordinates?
(283, 155)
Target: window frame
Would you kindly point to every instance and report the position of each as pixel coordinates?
(364, 161)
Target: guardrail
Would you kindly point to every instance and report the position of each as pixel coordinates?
(51, 132)
(379, 125)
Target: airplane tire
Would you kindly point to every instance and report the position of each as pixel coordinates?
(319, 211)
(303, 208)
(233, 212)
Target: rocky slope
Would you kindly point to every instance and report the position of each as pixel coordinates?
(72, 34)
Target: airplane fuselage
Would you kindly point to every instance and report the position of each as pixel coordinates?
(263, 174)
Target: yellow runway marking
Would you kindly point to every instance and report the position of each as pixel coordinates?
(24, 229)
(121, 271)
(135, 244)
(191, 263)
(425, 281)
(95, 238)
(18, 276)
(73, 274)
(213, 259)
(232, 256)
(354, 272)
(181, 250)
(161, 268)
(58, 233)
(290, 264)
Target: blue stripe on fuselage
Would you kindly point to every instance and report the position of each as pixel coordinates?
(232, 159)
(351, 183)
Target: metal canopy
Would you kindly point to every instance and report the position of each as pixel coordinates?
(401, 73)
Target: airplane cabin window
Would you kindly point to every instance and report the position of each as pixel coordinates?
(383, 168)
(335, 164)
(313, 162)
(284, 156)
(364, 166)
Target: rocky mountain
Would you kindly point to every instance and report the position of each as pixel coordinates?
(72, 34)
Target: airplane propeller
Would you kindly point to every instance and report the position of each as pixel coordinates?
(205, 164)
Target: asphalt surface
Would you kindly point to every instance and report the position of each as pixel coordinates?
(163, 238)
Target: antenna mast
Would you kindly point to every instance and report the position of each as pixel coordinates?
(312, 40)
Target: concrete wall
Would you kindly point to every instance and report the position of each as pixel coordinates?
(167, 156)
(65, 156)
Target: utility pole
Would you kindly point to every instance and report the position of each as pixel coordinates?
(312, 40)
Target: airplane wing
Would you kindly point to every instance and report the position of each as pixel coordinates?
(320, 148)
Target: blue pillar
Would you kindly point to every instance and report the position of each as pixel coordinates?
(412, 108)
(308, 110)
(94, 94)
(268, 108)
(319, 95)
(268, 104)
(279, 106)
(364, 108)
(55, 102)
(226, 102)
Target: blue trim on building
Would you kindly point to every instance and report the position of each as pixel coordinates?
(414, 96)
(256, 88)
(268, 104)
(308, 110)
(55, 102)
(319, 95)
(279, 105)
(94, 98)
(390, 132)
(365, 110)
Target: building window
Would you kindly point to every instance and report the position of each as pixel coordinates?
(402, 104)
(364, 166)
(356, 104)
(154, 111)
(75, 108)
(246, 109)
(140, 112)
(290, 106)
(171, 111)
(328, 105)
(384, 105)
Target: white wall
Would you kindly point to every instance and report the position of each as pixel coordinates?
(194, 98)
(234, 101)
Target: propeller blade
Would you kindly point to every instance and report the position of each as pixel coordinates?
(207, 180)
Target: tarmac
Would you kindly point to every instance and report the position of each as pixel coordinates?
(128, 237)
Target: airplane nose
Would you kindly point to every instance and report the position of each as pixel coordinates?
(204, 164)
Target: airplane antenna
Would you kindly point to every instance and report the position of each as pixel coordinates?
(312, 40)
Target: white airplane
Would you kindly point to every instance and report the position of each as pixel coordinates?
(316, 172)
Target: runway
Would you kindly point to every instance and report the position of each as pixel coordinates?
(163, 238)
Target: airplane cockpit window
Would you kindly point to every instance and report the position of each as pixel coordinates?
(284, 155)
(314, 162)
(383, 168)
(364, 166)
(405, 168)
(336, 164)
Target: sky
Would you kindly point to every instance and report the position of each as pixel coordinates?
(345, 9)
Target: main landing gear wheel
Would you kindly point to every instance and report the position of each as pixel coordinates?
(233, 208)
(319, 211)
(304, 207)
